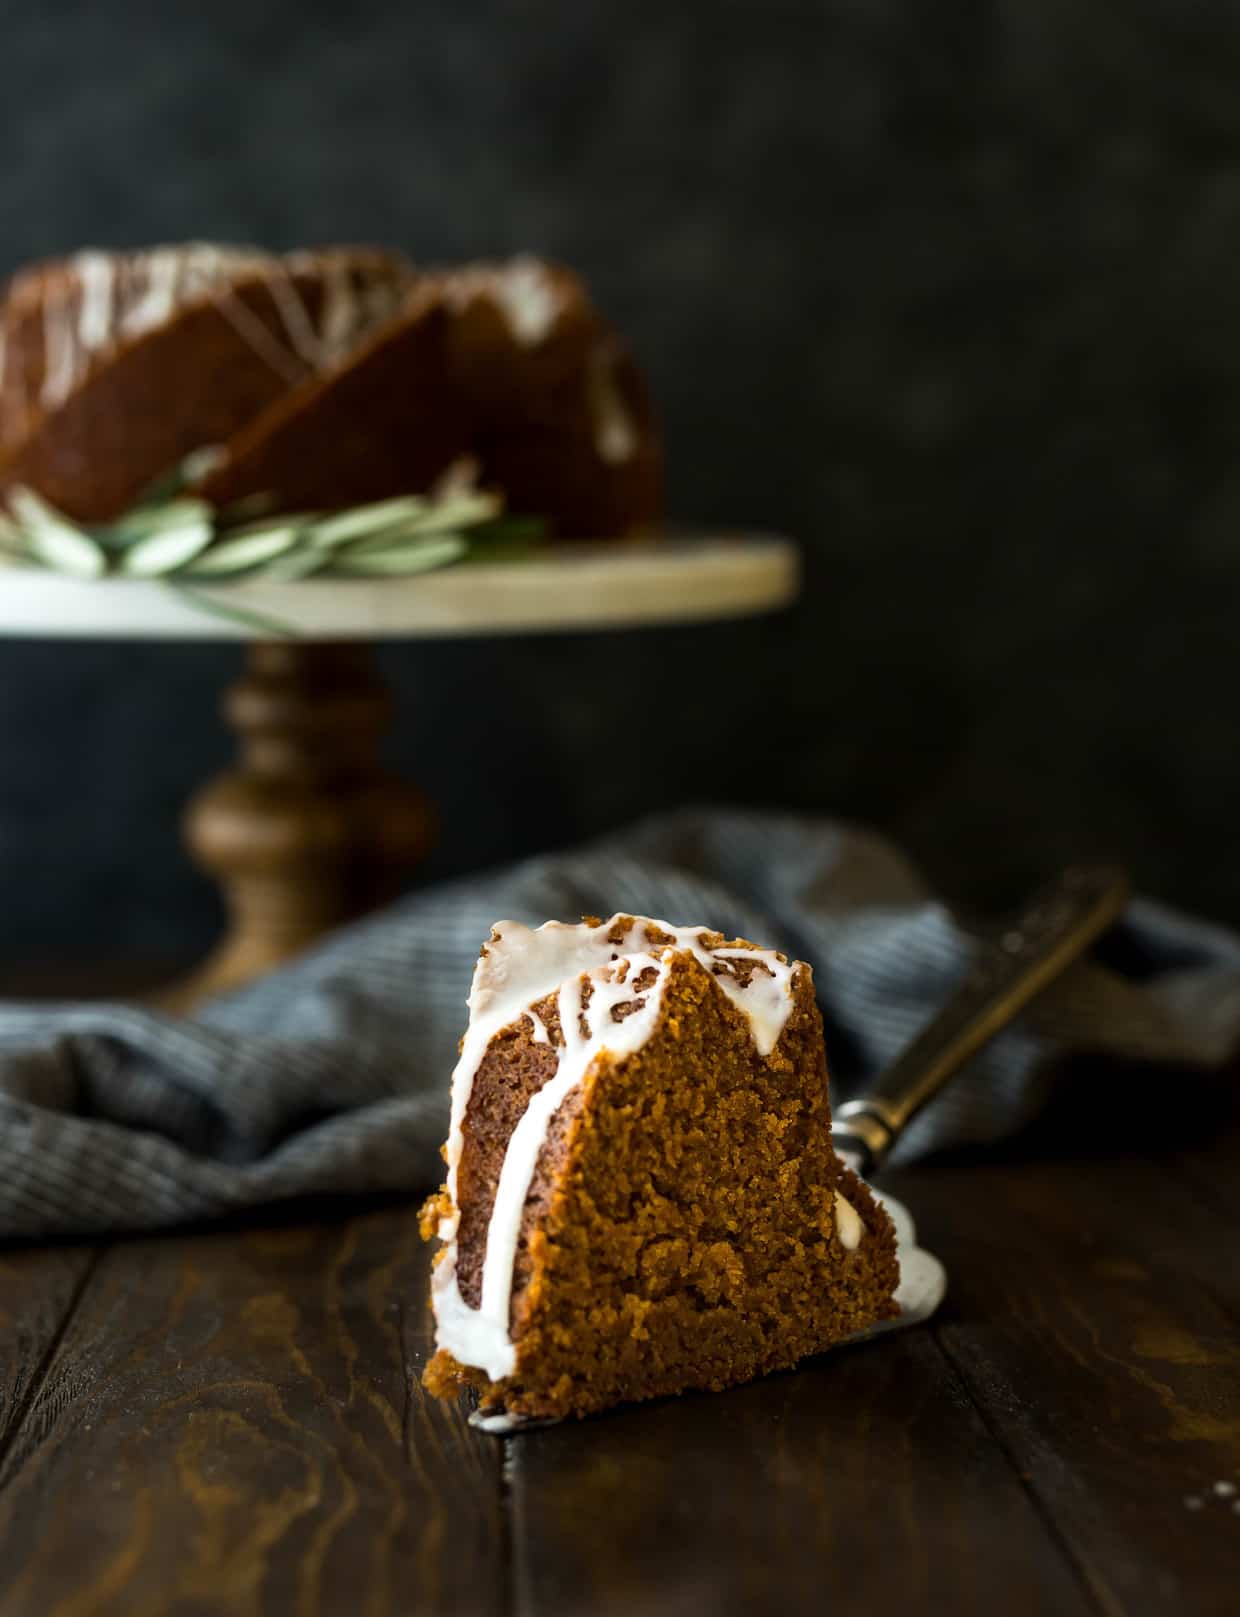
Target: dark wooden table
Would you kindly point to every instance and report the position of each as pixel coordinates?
(231, 1421)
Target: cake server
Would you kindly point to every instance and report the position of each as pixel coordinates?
(1010, 971)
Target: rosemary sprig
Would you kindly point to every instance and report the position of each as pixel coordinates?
(260, 622)
(174, 537)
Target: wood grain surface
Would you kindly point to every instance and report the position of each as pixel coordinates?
(231, 1422)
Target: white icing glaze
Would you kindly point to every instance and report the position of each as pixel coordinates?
(59, 350)
(848, 1223)
(541, 1036)
(159, 272)
(376, 304)
(340, 318)
(525, 292)
(111, 296)
(357, 295)
(527, 295)
(251, 330)
(615, 434)
(518, 968)
(125, 295)
(97, 276)
(295, 318)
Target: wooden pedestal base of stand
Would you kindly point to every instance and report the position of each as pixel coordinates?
(309, 831)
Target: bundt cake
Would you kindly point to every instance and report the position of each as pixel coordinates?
(322, 380)
(116, 366)
(642, 1195)
(386, 421)
(564, 424)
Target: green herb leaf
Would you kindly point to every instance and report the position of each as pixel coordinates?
(420, 556)
(464, 510)
(530, 530)
(165, 488)
(303, 521)
(175, 536)
(244, 615)
(243, 555)
(53, 539)
(146, 520)
(301, 562)
(395, 533)
(168, 550)
(247, 508)
(365, 520)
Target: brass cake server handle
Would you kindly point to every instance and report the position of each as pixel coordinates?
(1011, 970)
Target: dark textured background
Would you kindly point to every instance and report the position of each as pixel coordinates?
(950, 293)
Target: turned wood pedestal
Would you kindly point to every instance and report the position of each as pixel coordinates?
(309, 830)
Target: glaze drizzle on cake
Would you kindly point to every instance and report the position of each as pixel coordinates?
(642, 1194)
(66, 317)
(609, 982)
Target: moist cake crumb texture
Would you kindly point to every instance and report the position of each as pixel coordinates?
(642, 1196)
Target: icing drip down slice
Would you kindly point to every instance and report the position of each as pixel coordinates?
(594, 971)
(96, 301)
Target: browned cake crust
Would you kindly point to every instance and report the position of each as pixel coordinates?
(138, 404)
(453, 375)
(25, 309)
(680, 1229)
(327, 378)
(564, 425)
(385, 422)
(554, 466)
(63, 318)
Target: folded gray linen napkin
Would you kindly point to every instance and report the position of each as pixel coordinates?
(332, 1075)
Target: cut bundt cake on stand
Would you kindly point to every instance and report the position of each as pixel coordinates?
(562, 418)
(116, 366)
(510, 365)
(642, 1195)
(320, 380)
(385, 421)
(198, 440)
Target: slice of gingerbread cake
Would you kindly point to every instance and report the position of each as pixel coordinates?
(642, 1195)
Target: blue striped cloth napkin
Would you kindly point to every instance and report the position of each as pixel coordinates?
(331, 1076)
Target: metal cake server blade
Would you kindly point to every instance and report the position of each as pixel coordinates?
(1055, 929)
(1010, 971)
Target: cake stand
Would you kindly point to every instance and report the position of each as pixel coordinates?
(309, 830)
